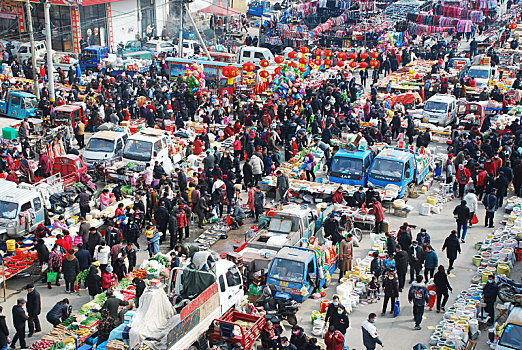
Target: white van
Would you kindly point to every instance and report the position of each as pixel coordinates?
(24, 52)
(511, 336)
(253, 54)
(148, 146)
(190, 48)
(104, 145)
(440, 109)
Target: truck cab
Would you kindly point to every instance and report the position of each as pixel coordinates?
(440, 109)
(24, 51)
(92, 56)
(18, 104)
(254, 54)
(148, 146)
(21, 211)
(258, 8)
(69, 166)
(104, 145)
(482, 74)
(69, 115)
(351, 167)
(399, 167)
(297, 272)
(132, 46)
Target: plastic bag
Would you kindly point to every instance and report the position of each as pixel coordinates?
(474, 220)
(52, 276)
(396, 308)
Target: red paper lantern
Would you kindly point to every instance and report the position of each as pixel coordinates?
(327, 62)
(292, 55)
(303, 69)
(363, 65)
(318, 52)
(441, 61)
(230, 72)
(342, 56)
(303, 60)
(512, 26)
(292, 64)
(249, 67)
(353, 56)
(374, 54)
(340, 64)
(364, 55)
(353, 64)
(304, 50)
(278, 70)
(317, 62)
(328, 53)
(279, 59)
(264, 74)
(264, 63)
(374, 63)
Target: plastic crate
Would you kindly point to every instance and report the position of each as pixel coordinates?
(9, 133)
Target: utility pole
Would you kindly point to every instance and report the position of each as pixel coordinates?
(33, 56)
(180, 43)
(197, 32)
(49, 44)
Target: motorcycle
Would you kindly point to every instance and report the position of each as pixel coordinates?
(509, 291)
(96, 172)
(280, 307)
(86, 180)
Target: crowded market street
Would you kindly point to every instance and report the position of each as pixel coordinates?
(293, 175)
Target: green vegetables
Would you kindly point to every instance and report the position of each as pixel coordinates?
(152, 270)
(68, 322)
(130, 165)
(124, 283)
(161, 259)
(89, 321)
(82, 275)
(73, 327)
(58, 346)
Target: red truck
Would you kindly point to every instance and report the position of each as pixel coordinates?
(236, 327)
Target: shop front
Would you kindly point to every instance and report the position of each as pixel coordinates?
(9, 23)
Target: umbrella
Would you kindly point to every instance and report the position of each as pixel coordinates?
(220, 10)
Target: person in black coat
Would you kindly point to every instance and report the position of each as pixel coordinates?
(34, 308)
(93, 281)
(330, 229)
(452, 244)
(442, 286)
(59, 313)
(84, 257)
(416, 259)
(340, 320)
(19, 319)
(4, 330)
(298, 337)
(182, 179)
(489, 296)
(463, 215)
(391, 244)
(140, 288)
(401, 265)
(161, 216)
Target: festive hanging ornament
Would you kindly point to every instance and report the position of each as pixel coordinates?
(364, 56)
(342, 56)
(264, 63)
(327, 62)
(264, 74)
(441, 61)
(292, 55)
(353, 56)
(340, 64)
(328, 53)
(278, 70)
(304, 50)
(363, 65)
(374, 63)
(318, 53)
(279, 59)
(230, 72)
(353, 64)
(303, 60)
(292, 64)
(303, 69)
(374, 54)
(249, 67)
(512, 26)
(317, 62)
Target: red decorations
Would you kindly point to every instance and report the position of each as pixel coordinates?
(374, 63)
(363, 65)
(512, 26)
(292, 55)
(340, 64)
(441, 61)
(318, 53)
(278, 70)
(292, 64)
(230, 72)
(264, 63)
(353, 56)
(327, 62)
(364, 55)
(279, 59)
(304, 50)
(374, 54)
(342, 56)
(303, 69)
(317, 62)
(249, 67)
(303, 60)
(264, 74)
(328, 53)
(353, 64)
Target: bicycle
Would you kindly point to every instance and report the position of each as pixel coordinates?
(355, 231)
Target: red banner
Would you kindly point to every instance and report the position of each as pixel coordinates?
(58, 2)
(76, 33)
(97, 2)
(109, 25)
(21, 22)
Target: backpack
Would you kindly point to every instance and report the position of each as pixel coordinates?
(396, 308)
(462, 176)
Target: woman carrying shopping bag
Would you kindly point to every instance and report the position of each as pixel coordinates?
(55, 266)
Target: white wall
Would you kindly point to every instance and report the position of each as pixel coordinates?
(162, 14)
(124, 20)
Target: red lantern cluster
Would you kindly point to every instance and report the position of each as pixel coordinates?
(304, 50)
(353, 64)
(342, 56)
(249, 67)
(512, 26)
(374, 63)
(374, 54)
(353, 56)
(264, 74)
(279, 59)
(292, 55)
(230, 72)
(340, 64)
(327, 62)
(328, 53)
(363, 65)
(364, 56)
(264, 63)
(318, 53)
(303, 60)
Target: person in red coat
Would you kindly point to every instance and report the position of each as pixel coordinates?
(198, 147)
(182, 222)
(333, 339)
(338, 196)
(378, 211)
(479, 186)
(463, 176)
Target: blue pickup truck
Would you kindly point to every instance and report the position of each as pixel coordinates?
(351, 167)
(18, 104)
(400, 167)
(92, 57)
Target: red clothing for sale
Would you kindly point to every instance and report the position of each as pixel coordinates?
(338, 197)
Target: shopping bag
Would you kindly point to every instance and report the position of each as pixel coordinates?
(52, 276)
(396, 308)
(474, 220)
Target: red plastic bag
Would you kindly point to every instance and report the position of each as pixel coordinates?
(474, 220)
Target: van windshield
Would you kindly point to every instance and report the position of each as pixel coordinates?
(511, 336)
(99, 145)
(350, 166)
(386, 169)
(8, 210)
(30, 102)
(479, 73)
(138, 150)
(436, 106)
(287, 270)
